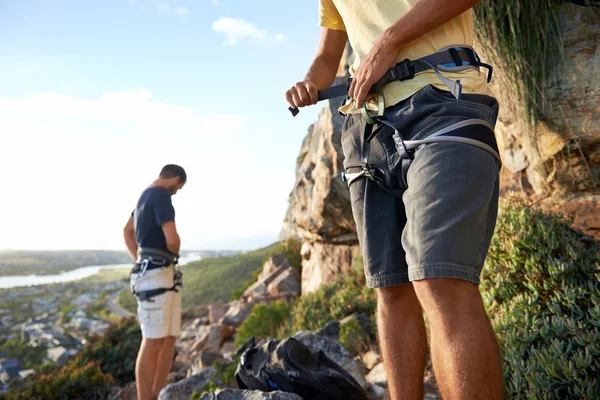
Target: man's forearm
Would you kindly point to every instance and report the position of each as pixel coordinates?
(321, 73)
(174, 246)
(424, 17)
(131, 246)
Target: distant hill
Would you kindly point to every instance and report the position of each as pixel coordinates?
(45, 262)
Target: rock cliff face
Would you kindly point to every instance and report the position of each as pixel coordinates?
(557, 162)
(319, 205)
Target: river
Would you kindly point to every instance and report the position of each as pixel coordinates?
(79, 273)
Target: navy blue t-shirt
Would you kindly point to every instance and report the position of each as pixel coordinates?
(153, 209)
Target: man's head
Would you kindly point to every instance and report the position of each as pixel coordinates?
(173, 177)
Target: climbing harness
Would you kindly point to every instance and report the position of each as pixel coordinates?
(476, 132)
(149, 259)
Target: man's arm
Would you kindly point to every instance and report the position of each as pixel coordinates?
(322, 71)
(424, 17)
(129, 235)
(171, 237)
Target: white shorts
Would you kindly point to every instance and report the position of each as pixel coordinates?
(159, 316)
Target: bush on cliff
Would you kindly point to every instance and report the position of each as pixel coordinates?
(541, 287)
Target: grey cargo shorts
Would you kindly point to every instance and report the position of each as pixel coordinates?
(442, 225)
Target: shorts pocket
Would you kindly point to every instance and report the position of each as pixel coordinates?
(152, 311)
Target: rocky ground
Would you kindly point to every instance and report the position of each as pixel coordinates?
(208, 332)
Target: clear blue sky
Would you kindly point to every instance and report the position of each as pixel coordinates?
(95, 96)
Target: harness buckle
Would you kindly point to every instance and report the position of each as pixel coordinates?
(404, 70)
(144, 264)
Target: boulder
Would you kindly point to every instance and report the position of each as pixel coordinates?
(203, 360)
(216, 312)
(322, 262)
(273, 263)
(377, 374)
(211, 337)
(237, 313)
(371, 358)
(234, 394)
(186, 387)
(228, 349)
(337, 353)
(285, 282)
(330, 331)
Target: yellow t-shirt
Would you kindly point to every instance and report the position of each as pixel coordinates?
(365, 20)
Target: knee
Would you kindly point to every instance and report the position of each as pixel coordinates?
(394, 296)
(151, 346)
(447, 295)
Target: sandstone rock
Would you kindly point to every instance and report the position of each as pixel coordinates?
(273, 263)
(184, 388)
(198, 322)
(337, 353)
(211, 337)
(216, 312)
(237, 313)
(228, 349)
(234, 394)
(377, 374)
(202, 360)
(557, 162)
(322, 262)
(286, 281)
(371, 358)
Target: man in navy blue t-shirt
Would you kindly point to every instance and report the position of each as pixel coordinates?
(153, 242)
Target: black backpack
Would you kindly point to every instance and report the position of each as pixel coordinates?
(290, 366)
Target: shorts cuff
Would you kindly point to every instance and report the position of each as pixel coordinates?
(444, 270)
(377, 282)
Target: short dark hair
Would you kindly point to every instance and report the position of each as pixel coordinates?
(171, 171)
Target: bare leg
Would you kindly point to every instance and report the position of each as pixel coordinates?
(163, 367)
(402, 340)
(464, 351)
(145, 367)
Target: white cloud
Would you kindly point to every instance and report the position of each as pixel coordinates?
(215, 2)
(162, 7)
(237, 30)
(182, 11)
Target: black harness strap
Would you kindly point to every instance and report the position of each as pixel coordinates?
(407, 69)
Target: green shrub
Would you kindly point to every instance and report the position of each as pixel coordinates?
(69, 383)
(210, 388)
(116, 350)
(353, 338)
(344, 296)
(291, 249)
(541, 288)
(264, 321)
(225, 371)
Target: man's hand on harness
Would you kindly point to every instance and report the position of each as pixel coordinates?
(379, 60)
(302, 94)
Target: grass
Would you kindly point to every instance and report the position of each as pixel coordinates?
(525, 38)
(213, 279)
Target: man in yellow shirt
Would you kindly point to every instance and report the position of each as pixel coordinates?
(424, 231)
